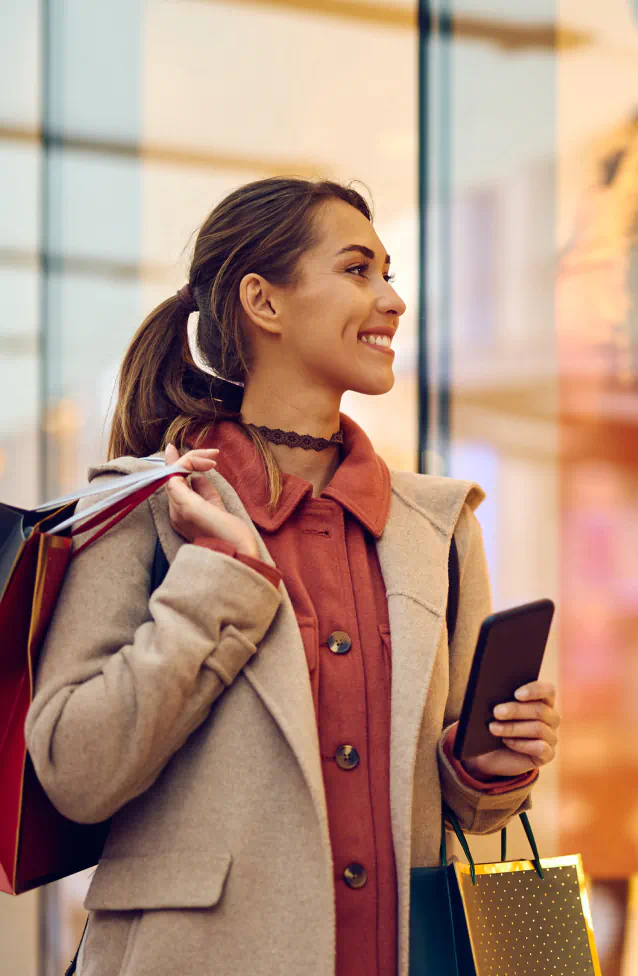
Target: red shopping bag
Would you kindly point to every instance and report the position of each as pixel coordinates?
(37, 843)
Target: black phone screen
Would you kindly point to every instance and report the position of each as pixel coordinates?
(509, 653)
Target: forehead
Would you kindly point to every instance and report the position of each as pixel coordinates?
(340, 225)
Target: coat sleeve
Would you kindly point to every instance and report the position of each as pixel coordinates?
(122, 681)
(478, 812)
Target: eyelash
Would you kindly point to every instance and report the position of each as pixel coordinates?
(356, 267)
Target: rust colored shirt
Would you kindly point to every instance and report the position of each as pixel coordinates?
(324, 549)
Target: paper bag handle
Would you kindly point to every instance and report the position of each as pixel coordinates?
(114, 513)
(450, 816)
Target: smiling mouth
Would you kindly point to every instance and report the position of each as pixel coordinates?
(377, 346)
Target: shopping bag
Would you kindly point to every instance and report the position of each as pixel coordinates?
(511, 918)
(38, 844)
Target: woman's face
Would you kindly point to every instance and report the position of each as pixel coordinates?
(343, 289)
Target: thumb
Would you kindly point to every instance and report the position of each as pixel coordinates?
(171, 453)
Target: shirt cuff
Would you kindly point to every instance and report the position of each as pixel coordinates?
(493, 787)
(271, 573)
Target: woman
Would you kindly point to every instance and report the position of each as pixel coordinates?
(271, 732)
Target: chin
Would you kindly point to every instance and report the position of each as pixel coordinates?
(374, 387)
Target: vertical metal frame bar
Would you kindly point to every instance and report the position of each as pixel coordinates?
(45, 242)
(444, 240)
(435, 231)
(424, 28)
(48, 896)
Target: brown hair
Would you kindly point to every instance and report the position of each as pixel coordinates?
(163, 396)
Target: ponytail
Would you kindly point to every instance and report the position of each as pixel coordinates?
(165, 398)
(163, 395)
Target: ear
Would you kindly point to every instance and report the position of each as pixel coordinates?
(260, 302)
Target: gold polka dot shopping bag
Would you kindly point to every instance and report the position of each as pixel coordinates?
(511, 918)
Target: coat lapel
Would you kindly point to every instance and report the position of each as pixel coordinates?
(279, 672)
(413, 554)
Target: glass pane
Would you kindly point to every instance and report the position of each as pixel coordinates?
(531, 227)
(20, 66)
(597, 343)
(20, 161)
(145, 152)
(19, 322)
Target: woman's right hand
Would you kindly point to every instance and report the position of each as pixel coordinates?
(197, 510)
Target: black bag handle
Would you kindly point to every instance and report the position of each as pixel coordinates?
(454, 581)
(450, 816)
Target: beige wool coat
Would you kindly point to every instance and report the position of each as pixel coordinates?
(188, 719)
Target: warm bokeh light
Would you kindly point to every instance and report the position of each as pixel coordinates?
(527, 162)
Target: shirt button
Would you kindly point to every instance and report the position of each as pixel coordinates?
(339, 642)
(347, 757)
(355, 875)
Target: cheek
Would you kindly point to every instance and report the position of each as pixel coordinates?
(347, 308)
(328, 313)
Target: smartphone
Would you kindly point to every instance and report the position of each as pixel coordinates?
(509, 653)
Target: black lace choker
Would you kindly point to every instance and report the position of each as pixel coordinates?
(292, 439)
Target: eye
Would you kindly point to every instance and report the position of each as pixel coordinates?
(358, 268)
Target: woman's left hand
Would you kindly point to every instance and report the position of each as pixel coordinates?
(528, 730)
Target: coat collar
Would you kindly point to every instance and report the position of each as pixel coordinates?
(361, 483)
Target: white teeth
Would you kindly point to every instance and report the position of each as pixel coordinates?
(376, 340)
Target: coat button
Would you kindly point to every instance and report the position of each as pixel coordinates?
(339, 642)
(355, 875)
(347, 757)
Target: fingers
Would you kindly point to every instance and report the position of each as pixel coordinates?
(178, 491)
(199, 460)
(535, 711)
(537, 691)
(524, 730)
(193, 504)
(528, 726)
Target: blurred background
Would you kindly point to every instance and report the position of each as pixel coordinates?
(499, 142)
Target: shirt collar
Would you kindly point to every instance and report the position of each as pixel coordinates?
(361, 483)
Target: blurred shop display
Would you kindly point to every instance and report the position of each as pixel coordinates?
(613, 907)
(597, 285)
(597, 335)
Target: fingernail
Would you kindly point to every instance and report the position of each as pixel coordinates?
(495, 727)
(521, 693)
(501, 711)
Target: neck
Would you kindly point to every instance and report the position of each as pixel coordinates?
(317, 467)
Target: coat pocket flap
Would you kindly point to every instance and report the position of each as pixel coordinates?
(180, 879)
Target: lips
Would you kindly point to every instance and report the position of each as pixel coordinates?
(386, 330)
(378, 346)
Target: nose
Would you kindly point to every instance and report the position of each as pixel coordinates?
(389, 303)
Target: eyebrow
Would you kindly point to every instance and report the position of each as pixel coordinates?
(364, 250)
